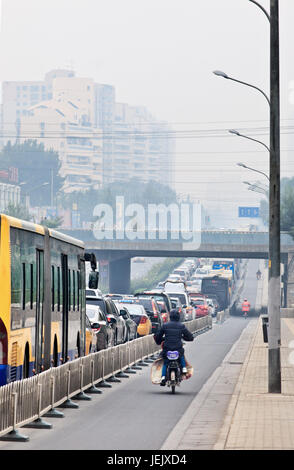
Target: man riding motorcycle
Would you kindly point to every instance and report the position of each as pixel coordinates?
(172, 334)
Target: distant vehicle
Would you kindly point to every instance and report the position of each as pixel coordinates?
(164, 313)
(174, 277)
(138, 314)
(130, 323)
(152, 311)
(109, 308)
(181, 272)
(138, 260)
(93, 292)
(90, 337)
(177, 304)
(102, 329)
(157, 294)
(178, 290)
(219, 286)
(201, 305)
(212, 306)
(199, 274)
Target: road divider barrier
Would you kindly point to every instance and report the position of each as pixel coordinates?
(25, 402)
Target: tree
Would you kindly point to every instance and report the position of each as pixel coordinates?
(36, 166)
(18, 210)
(52, 223)
(287, 205)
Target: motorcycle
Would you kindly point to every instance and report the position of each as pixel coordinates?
(173, 372)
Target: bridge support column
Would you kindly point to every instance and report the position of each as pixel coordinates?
(120, 276)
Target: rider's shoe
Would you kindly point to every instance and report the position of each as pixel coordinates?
(163, 381)
(184, 370)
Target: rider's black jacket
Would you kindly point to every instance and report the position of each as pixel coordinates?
(172, 334)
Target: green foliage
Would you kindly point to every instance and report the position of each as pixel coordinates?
(34, 165)
(287, 205)
(52, 223)
(132, 191)
(159, 272)
(18, 210)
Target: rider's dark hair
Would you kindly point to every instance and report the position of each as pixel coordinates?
(174, 315)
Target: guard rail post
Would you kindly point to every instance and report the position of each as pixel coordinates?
(142, 362)
(93, 389)
(82, 395)
(129, 369)
(14, 435)
(148, 359)
(121, 373)
(113, 378)
(38, 423)
(53, 413)
(103, 383)
(68, 402)
(135, 366)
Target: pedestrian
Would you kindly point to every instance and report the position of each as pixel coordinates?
(245, 307)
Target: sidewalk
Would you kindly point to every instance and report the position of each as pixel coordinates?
(234, 411)
(256, 419)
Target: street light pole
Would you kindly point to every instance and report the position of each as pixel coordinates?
(253, 169)
(232, 131)
(274, 330)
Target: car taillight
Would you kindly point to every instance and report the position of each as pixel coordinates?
(108, 319)
(143, 320)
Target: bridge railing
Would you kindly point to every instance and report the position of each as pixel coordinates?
(25, 402)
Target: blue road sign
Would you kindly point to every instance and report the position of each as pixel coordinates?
(248, 211)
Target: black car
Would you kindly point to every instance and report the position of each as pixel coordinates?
(131, 324)
(112, 314)
(102, 329)
(152, 311)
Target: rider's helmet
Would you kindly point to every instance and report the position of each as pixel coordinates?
(174, 315)
(245, 300)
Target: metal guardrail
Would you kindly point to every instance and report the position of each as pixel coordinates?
(23, 403)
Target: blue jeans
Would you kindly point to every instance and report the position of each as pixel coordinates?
(166, 361)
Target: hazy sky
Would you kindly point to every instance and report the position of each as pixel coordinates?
(161, 54)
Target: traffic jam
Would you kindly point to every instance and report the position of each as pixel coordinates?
(114, 319)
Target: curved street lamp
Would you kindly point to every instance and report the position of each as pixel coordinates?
(262, 8)
(232, 131)
(253, 169)
(219, 73)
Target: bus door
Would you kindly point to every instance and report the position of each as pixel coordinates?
(65, 280)
(39, 344)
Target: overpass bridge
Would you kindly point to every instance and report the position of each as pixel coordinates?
(114, 254)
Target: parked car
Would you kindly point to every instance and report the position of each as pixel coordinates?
(102, 329)
(130, 323)
(112, 314)
(138, 314)
(152, 311)
(201, 305)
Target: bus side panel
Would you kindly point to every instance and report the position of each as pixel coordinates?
(4, 299)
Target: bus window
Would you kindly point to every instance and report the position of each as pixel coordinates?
(23, 286)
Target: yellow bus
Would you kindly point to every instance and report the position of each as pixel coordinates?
(42, 299)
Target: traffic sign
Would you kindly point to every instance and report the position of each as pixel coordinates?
(248, 212)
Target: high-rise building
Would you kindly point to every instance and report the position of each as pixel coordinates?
(115, 139)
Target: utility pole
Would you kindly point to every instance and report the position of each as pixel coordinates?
(274, 328)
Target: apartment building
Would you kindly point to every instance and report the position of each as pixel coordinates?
(62, 125)
(82, 121)
(142, 147)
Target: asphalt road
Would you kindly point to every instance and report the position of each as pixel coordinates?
(135, 414)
